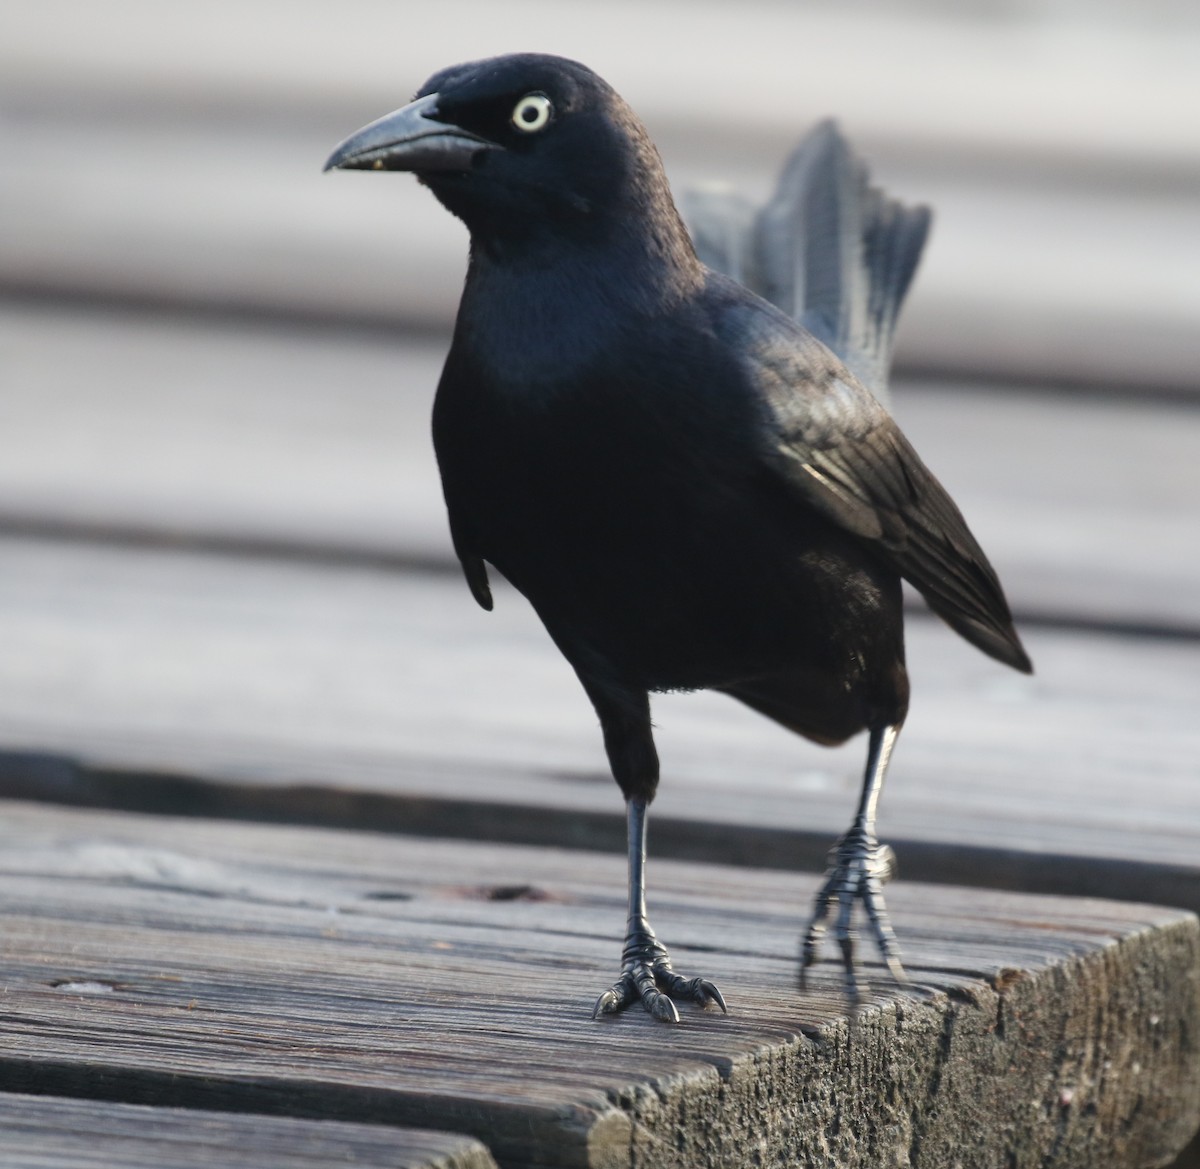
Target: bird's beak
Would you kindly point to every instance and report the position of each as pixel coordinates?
(410, 139)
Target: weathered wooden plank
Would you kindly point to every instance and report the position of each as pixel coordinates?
(41, 1132)
(389, 699)
(322, 443)
(209, 430)
(401, 980)
(1066, 239)
(1061, 494)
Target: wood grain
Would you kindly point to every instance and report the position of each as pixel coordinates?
(422, 982)
(41, 1132)
(339, 695)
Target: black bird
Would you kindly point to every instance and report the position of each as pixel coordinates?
(692, 489)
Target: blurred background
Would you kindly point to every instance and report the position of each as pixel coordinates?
(201, 334)
(217, 363)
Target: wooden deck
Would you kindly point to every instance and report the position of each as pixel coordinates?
(71, 1133)
(304, 859)
(433, 983)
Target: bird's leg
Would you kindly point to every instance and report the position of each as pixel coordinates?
(646, 973)
(859, 866)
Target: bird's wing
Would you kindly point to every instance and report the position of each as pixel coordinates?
(831, 442)
(473, 566)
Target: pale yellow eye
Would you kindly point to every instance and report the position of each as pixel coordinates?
(532, 113)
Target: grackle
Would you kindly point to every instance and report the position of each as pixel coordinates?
(693, 489)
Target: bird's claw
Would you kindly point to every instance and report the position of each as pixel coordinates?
(655, 988)
(647, 977)
(859, 867)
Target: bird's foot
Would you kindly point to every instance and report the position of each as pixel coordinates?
(647, 977)
(859, 866)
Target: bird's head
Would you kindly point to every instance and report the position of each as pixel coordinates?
(522, 147)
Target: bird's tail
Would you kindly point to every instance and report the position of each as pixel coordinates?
(829, 249)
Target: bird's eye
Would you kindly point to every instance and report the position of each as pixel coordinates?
(532, 113)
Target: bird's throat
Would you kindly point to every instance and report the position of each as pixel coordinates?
(540, 315)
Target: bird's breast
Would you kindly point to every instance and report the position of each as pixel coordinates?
(637, 520)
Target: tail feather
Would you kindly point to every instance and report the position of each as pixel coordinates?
(829, 249)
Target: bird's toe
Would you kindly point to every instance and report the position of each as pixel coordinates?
(859, 868)
(657, 987)
(610, 1002)
(696, 990)
(660, 1006)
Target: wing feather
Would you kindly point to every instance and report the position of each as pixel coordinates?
(840, 451)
